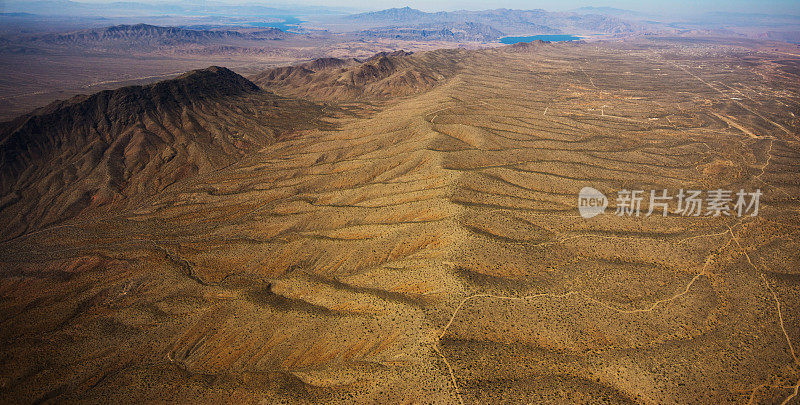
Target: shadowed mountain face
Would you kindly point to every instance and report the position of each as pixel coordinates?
(118, 147)
(430, 250)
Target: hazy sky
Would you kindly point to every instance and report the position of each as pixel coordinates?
(668, 6)
(660, 6)
(656, 6)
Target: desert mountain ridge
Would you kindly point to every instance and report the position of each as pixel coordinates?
(128, 144)
(382, 76)
(119, 146)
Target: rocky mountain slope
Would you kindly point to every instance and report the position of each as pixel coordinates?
(384, 75)
(119, 146)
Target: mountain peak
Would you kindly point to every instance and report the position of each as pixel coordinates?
(116, 146)
(399, 14)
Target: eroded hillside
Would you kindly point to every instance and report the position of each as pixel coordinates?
(386, 75)
(117, 147)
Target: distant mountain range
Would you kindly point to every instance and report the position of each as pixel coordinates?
(613, 12)
(155, 35)
(455, 32)
(144, 38)
(499, 21)
(404, 23)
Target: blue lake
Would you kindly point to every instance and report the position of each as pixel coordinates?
(551, 38)
(288, 23)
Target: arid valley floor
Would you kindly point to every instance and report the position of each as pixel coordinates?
(405, 230)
